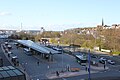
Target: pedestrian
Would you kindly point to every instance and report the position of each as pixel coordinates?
(38, 63)
(8, 55)
(17, 63)
(24, 69)
(68, 67)
(57, 73)
(48, 66)
(17, 47)
(86, 68)
(104, 66)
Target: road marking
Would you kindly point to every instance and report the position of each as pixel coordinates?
(82, 79)
(37, 75)
(103, 71)
(64, 79)
(100, 72)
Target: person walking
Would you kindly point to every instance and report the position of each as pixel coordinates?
(104, 66)
(57, 73)
(86, 68)
(38, 63)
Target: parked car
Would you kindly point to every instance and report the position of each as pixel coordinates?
(102, 58)
(10, 52)
(93, 56)
(94, 63)
(102, 61)
(1, 62)
(9, 47)
(6, 43)
(111, 62)
(58, 49)
(15, 43)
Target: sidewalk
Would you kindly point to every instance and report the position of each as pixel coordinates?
(67, 74)
(94, 69)
(98, 68)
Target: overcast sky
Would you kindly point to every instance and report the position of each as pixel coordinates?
(57, 14)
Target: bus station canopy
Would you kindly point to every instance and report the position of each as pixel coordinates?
(39, 48)
(11, 73)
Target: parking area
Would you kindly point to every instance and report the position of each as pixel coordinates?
(5, 60)
(113, 62)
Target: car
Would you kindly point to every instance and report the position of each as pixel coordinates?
(1, 62)
(26, 50)
(102, 61)
(15, 43)
(10, 52)
(93, 56)
(58, 49)
(102, 58)
(6, 43)
(111, 62)
(9, 47)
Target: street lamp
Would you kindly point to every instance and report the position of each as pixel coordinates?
(24, 66)
(89, 59)
(62, 57)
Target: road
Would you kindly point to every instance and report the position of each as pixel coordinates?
(98, 76)
(41, 71)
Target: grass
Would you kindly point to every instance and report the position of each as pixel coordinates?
(116, 52)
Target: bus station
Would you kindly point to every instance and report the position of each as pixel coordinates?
(39, 50)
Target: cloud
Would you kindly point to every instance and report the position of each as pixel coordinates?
(5, 13)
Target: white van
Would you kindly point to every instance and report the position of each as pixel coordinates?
(27, 51)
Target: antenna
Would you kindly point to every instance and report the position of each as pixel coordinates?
(21, 27)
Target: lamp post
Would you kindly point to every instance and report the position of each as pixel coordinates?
(62, 57)
(24, 66)
(89, 59)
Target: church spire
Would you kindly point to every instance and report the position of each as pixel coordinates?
(102, 22)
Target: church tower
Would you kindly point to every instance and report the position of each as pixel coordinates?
(102, 22)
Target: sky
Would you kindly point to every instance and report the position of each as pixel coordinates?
(57, 15)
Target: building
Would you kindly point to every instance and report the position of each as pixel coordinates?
(11, 73)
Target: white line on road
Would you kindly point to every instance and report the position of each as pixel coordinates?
(64, 79)
(82, 79)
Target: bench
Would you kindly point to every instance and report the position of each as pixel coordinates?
(74, 69)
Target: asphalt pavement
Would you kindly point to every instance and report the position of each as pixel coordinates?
(35, 71)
